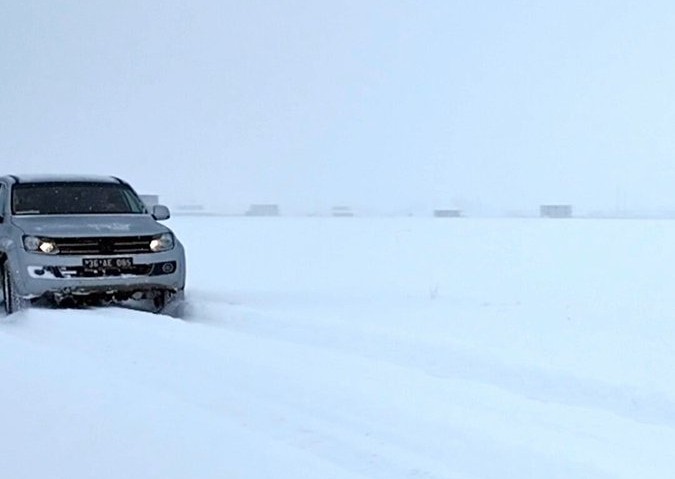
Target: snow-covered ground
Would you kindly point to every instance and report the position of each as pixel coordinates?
(363, 348)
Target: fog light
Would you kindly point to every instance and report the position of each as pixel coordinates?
(168, 268)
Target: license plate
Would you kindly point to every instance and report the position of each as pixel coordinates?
(106, 263)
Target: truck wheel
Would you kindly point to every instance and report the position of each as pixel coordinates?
(13, 302)
(170, 303)
(159, 301)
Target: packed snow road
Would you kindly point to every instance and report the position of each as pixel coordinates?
(363, 348)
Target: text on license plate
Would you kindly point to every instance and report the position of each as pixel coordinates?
(102, 263)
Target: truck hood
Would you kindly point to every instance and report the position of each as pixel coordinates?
(89, 225)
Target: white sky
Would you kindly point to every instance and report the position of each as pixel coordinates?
(384, 105)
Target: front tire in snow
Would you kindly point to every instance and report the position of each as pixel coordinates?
(13, 302)
(169, 303)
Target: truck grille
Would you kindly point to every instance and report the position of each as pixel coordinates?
(104, 245)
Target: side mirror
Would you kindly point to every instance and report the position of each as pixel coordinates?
(161, 212)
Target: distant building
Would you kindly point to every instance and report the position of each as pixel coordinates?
(555, 211)
(150, 200)
(447, 213)
(342, 211)
(190, 208)
(263, 210)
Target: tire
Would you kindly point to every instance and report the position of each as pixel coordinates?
(160, 301)
(170, 304)
(13, 302)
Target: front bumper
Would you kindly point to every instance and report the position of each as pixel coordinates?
(36, 275)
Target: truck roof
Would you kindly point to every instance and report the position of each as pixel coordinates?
(62, 178)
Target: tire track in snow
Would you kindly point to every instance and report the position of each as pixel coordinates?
(267, 385)
(449, 361)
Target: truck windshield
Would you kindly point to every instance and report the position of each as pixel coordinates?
(73, 198)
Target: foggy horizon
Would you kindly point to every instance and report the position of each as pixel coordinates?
(489, 107)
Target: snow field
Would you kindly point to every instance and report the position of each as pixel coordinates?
(361, 347)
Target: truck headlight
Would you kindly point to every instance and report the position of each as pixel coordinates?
(39, 245)
(163, 242)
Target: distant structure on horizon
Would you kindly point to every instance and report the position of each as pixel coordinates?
(263, 210)
(342, 211)
(150, 200)
(555, 211)
(447, 213)
(189, 210)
